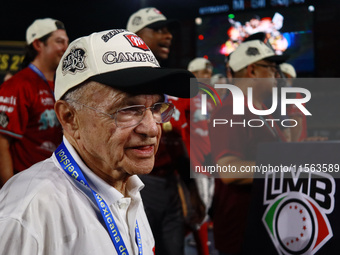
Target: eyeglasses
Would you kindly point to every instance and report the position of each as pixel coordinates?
(133, 115)
(273, 68)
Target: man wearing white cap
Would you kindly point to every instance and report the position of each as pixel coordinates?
(29, 129)
(289, 71)
(85, 198)
(154, 28)
(201, 68)
(197, 128)
(199, 147)
(254, 65)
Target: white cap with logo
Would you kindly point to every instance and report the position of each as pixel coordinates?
(250, 52)
(148, 17)
(120, 59)
(198, 64)
(42, 27)
(288, 69)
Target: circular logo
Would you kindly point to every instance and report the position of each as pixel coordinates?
(295, 226)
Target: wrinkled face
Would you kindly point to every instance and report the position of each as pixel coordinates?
(111, 151)
(158, 40)
(54, 48)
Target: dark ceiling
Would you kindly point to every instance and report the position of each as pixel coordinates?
(82, 17)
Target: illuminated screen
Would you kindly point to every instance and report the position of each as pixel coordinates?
(289, 30)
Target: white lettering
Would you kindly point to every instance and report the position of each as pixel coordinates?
(5, 108)
(297, 101)
(8, 100)
(238, 100)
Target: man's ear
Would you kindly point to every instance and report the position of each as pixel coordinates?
(37, 45)
(140, 33)
(251, 71)
(67, 116)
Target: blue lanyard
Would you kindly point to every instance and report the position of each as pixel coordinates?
(272, 129)
(70, 166)
(40, 74)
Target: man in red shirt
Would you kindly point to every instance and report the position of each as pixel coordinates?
(235, 145)
(194, 132)
(29, 129)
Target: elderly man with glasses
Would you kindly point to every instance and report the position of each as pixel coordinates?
(85, 199)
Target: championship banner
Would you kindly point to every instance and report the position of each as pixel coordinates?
(11, 56)
(295, 201)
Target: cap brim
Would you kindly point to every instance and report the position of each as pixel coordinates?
(151, 80)
(278, 59)
(169, 23)
(256, 36)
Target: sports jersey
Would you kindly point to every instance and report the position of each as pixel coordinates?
(199, 134)
(173, 134)
(193, 127)
(27, 115)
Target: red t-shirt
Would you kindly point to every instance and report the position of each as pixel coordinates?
(171, 145)
(200, 151)
(185, 129)
(231, 201)
(27, 114)
(193, 127)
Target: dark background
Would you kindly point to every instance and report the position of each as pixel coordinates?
(287, 154)
(84, 17)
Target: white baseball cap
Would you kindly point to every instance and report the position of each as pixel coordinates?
(198, 64)
(42, 27)
(216, 77)
(148, 17)
(122, 60)
(252, 51)
(288, 69)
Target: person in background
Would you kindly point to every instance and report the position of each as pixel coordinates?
(85, 199)
(281, 82)
(228, 71)
(155, 29)
(29, 129)
(161, 197)
(254, 65)
(289, 71)
(219, 79)
(196, 138)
